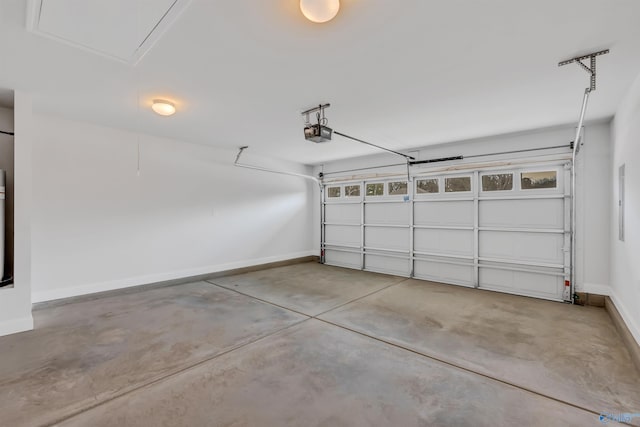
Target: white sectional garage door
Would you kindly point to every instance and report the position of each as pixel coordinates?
(506, 230)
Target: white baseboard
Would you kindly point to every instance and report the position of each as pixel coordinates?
(633, 327)
(14, 326)
(54, 294)
(596, 288)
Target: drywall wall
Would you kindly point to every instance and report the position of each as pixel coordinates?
(625, 255)
(593, 216)
(99, 225)
(6, 164)
(15, 302)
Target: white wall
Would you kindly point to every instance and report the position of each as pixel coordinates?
(593, 214)
(625, 256)
(15, 303)
(98, 225)
(593, 171)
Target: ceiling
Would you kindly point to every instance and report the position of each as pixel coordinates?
(407, 73)
(123, 30)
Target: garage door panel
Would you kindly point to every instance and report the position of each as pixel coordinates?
(387, 213)
(443, 272)
(387, 238)
(447, 213)
(445, 242)
(343, 213)
(518, 246)
(532, 284)
(388, 265)
(532, 247)
(342, 235)
(342, 259)
(532, 213)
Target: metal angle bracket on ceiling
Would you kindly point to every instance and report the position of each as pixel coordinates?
(260, 168)
(591, 68)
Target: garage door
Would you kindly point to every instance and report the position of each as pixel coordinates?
(506, 230)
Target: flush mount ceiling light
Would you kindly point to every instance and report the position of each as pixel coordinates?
(163, 107)
(320, 11)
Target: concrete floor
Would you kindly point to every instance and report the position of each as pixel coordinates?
(317, 346)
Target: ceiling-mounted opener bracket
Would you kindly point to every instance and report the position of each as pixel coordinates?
(319, 109)
(591, 68)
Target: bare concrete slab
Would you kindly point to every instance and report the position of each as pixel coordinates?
(309, 288)
(81, 354)
(315, 374)
(568, 352)
(199, 354)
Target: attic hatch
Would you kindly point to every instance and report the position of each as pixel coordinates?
(122, 30)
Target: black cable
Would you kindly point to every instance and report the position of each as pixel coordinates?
(7, 133)
(406, 156)
(443, 159)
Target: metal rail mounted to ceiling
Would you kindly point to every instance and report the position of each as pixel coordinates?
(591, 69)
(263, 169)
(409, 160)
(322, 133)
(452, 158)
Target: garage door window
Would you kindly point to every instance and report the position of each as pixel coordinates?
(538, 180)
(352, 191)
(458, 184)
(375, 189)
(427, 186)
(333, 192)
(397, 188)
(497, 182)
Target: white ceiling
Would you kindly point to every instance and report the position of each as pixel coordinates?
(119, 29)
(403, 73)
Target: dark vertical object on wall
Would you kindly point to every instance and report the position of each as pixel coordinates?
(6, 164)
(2, 220)
(621, 203)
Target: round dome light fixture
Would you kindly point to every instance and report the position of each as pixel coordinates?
(320, 11)
(163, 107)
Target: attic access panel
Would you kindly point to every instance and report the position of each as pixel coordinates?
(124, 30)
